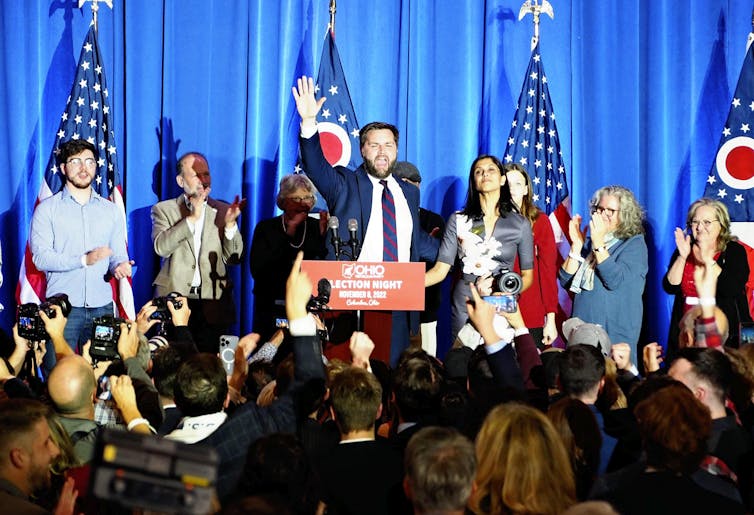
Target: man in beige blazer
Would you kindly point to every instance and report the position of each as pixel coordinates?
(196, 237)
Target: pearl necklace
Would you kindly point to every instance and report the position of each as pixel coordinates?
(282, 219)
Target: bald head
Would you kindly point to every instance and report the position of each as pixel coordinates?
(72, 387)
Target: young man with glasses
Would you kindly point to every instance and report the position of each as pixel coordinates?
(79, 239)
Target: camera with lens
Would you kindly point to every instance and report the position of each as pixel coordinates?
(505, 289)
(30, 324)
(161, 303)
(507, 282)
(105, 334)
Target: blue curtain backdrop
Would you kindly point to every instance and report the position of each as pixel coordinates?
(640, 89)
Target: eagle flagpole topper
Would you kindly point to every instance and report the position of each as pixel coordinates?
(534, 8)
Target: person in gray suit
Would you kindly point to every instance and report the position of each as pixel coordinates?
(196, 237)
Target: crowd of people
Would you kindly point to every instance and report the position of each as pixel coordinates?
(505, 423)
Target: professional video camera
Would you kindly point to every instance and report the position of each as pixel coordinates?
(319, 302)
(505, 289)
(145, 471)
(30, 325)
(161, 303)
(105, 334)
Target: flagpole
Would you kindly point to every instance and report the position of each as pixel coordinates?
(535, 8)
(331, 25)
(95, 8)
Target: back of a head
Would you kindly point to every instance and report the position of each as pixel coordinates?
(165, 364)
(19, 416)
(581, 369)
(674, 427)
(356, 396)
(578, 428)
(201, 385)
(710, 365)
(522, 464)
(440, 468)
(417, 389)
(276, 464)
(71, 386)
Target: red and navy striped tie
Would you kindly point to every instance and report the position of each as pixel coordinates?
(389, 234)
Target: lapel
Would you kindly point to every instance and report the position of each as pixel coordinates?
(365, 188)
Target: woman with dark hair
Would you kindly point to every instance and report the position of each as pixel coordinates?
(484, 238)
(274, 247)
(607, 273)
(538, 303)
(708, 240)
(578, 428)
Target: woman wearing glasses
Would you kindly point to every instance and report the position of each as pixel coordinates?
(607, 272)
(708, 240)
(274, 247)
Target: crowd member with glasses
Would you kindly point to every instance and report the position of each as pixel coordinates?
(78, 239)
(197, 237)
(707, 240)
(274, 246)
(607, 271)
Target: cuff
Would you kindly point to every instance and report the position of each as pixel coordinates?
(308, 130)
(230, 233)
(495, 347)
(302, 326)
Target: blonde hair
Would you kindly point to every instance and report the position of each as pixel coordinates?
(522, 464)
(721, 212)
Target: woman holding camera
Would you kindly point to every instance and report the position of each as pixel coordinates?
(484, 238)
(708, 240)
(607, 273)
(538, 303)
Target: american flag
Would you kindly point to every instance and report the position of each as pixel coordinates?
(86, 116)
(731, 179)
(336, 121)
(533, 143)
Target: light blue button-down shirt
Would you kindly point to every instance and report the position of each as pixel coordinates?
(62, 231)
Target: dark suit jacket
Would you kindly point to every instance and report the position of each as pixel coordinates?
(249, 422)
(174, 243)
(362, 478)
(349, 195)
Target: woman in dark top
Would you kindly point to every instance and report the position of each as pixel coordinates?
(274, 247)
(708, 240)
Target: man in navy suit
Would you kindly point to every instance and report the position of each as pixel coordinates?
(358, 195)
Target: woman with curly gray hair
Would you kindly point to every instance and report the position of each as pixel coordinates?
(607, 271)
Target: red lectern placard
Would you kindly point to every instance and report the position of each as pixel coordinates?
(370, 286)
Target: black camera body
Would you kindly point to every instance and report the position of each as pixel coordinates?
(161, 303)
(144, 471)
(507, 283)
(105, 335)
(30, 325)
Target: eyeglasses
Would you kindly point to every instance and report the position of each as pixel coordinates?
(604, 210)
(704, 223)
(299, 200)
(76, 162)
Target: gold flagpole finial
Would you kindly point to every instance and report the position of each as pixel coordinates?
(331, 25)
(535, 8)
(95, 8)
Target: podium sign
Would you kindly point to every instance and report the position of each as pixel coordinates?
(370, 286)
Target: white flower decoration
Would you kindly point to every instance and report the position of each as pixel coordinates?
(477, 254)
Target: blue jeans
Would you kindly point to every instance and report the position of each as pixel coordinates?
(78, 330)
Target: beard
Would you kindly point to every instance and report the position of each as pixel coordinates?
(80, 184)
(371, 170)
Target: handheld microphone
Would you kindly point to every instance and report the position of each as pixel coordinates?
(334, 224)
(353, 241)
